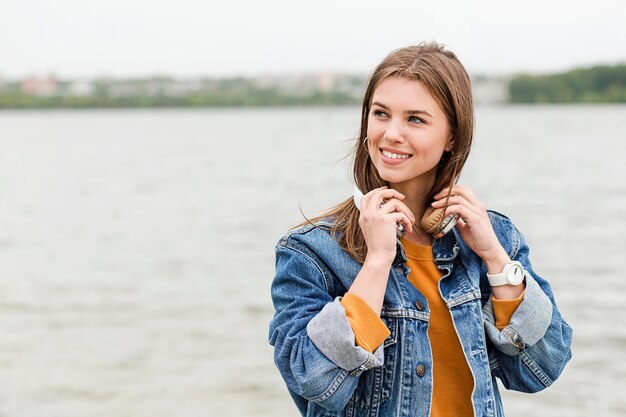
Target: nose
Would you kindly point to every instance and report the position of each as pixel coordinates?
(394, 133)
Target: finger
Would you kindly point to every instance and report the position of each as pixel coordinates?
(465, 214)
(457, 199)
(461, 190)
(442, 193)
(396, 205)
(407, 210)
(377, 196)
(367, 197)
(389, 193)
(461, 224)
(404, 219)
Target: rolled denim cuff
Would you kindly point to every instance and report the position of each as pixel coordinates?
(332, 334)
(528, 324)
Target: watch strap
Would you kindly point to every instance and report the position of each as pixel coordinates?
(497, 280)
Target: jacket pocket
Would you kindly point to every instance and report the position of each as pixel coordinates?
(376, 384)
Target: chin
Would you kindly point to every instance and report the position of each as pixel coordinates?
(399, 178)
(393, 179)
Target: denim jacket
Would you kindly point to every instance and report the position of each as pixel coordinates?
(327, 374)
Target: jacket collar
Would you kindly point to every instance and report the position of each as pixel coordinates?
(446, 247)
(400, 254)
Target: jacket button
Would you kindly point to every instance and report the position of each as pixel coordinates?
(420, 370)
(419, 305)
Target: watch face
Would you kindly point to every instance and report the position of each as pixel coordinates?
(515, 275)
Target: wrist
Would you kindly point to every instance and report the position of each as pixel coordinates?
(508, 292)
(370, 283)
(377, 262)
(496, 261)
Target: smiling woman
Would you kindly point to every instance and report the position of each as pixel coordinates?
(369, 322)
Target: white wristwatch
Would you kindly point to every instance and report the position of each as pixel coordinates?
(512, 274)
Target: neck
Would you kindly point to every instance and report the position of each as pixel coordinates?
(415, 193)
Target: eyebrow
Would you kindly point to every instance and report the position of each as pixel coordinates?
(378, 103)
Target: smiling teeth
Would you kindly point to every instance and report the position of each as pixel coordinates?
(395, 155)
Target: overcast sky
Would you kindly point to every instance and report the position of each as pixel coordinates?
(84, 38)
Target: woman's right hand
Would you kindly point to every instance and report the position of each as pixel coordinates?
(381, 209)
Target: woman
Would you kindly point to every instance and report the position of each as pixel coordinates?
(368, 323)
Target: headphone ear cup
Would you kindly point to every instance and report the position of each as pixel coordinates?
(431, 220)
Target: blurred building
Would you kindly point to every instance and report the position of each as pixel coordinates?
(489, 90)
(40, 86)
(80, 88)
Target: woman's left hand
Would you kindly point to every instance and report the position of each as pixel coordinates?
(473, 222)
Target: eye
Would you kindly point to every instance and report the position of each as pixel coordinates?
(378, 113)
(415, 119)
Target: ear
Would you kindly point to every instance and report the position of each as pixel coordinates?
(449, 145)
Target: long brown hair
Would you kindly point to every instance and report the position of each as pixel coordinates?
(445, 78)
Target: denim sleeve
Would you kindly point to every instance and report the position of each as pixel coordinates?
(332, 333)
(314, 346)
(530, 353)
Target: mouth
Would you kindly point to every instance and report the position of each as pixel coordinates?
(394, 158)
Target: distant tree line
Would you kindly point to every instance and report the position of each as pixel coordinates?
(246, 97)
(600, 84)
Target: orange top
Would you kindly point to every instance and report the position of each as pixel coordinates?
(452, 378)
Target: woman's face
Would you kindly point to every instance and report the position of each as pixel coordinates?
(407, 130)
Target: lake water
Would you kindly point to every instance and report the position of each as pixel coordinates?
(137, 249)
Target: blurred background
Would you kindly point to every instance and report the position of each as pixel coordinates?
(152, 153)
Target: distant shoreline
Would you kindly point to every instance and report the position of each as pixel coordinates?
(595, 85)
(277, 107)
